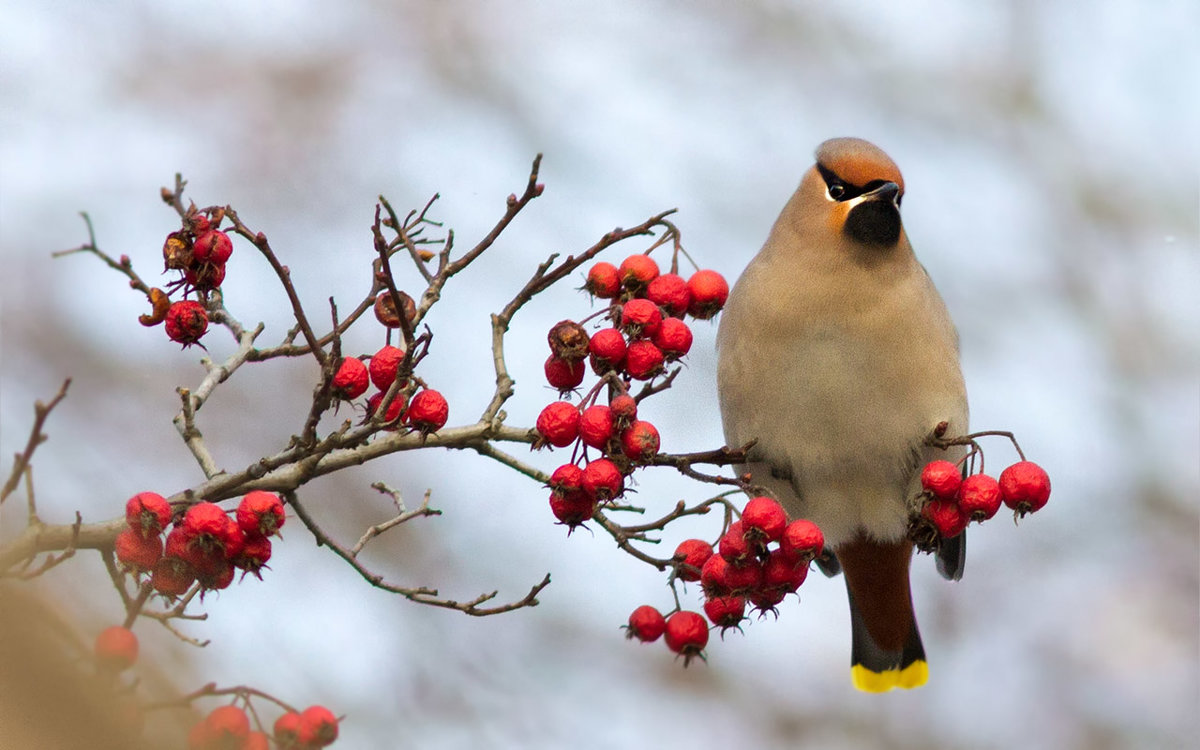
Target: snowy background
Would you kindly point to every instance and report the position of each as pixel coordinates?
(1051, 160)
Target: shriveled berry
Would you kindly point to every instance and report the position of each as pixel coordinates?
(572, 510)
(177, 251)
(115, 649)
(979, 497)
(394, 409)
(785, 571)
(205, 519)
(147, 513)
(637, 271)
(640, 441)
(386, 311)
(287, 730)
(351, 379)
(428, 411)
(172, 576)
(137, 552)
(690, 556)
(640, 318)
(764, 519)
(205, 276)
(318, 726)
(1025, 487)
(254, 555)
(214, 536)
(213, 246)
(260, 513)
(607, 350)
(687, 634)
(734, 545)
(670, 292)
(643, 360)
(384, 365)
(228, 726)
(624, 410)
(709, 293)
(567, 481)
(766, 599)
(646, 624)
(725, 611)
(674, 338)
(216, 576)
(602, 480)
(186, 322)
(802, 538)
(558, 424)
(946, 517)
(596, 426)
(603, 281)
(564, 375)
(941, 479)
(568, 340)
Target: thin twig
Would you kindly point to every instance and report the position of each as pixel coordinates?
(36, 437)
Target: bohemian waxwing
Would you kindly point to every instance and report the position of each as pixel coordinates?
(836, 354)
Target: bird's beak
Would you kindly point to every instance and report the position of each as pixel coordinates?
(888, 191)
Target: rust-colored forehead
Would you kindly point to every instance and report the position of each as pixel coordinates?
(858, 162)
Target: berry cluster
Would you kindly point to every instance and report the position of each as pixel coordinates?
(205, 545)
(228, 728)
(949, 501)
(759, 560)
(646, 332)
(426, 412)
(198, 252)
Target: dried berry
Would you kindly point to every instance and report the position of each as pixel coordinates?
(674, 338)
(596, 427)
(979, 497)
(640, 318)
(640, 441)
(384, 366)
(351, 379)
(941, 479)
(386, 312)
(687, 634)
(558, 424)
(394, 409)
(709, 293)
(213, 246)
(690, 556)
(602, 480)
(568, 340)
(1025, 487)
(147, 513)
(646, 624)
(643, 360)
(136, 552)
(205, 276)
(428, 411)
(186, 322)
(260, 513)
(603, 281)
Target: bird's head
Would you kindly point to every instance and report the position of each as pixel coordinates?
(858, 189)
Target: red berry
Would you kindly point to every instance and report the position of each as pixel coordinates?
(802, 538)
(607, 348)
(572, 509)
(946, 517)
(637, 271)
(643, 360)
(670, 292)
(216, 576)
(567, 481)
(558, 424)
(764, 519)
(186, 321)
(941, 479)
(709, 292)
(640, 318)
(384, 366)
(205, 276)
(213, 246)
(687, 634)
(603, 281)
(690, 556)
(568, 340)
(428, 411)
(394, 410)
(198, 223)
(602, 480)
(646, 624)
(734, 546)
(720, 577)
(287, 730)
(172, 576)
(766, 599)
(351, 379)
(596, 427)
(228, 726)
(116, 649)
(254, 555)
(725, 611)
(564, 375)
(318, 726)
(640, 442)
(260, 513)
(784, 571)
(256, 741)
(200, 737)
(979, 497)
(713, 575)
(1025, 487)
(147, 513)
(624, 410)
(137, 552)
(206, 519)
(674, 338)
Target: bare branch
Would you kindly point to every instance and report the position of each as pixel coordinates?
(36, 437)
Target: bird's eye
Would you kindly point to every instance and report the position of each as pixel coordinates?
(837, 191)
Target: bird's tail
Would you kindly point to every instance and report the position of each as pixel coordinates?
(886, 650)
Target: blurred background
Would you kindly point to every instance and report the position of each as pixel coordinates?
(1051, 161)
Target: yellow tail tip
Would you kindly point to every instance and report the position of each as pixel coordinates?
(912, 676)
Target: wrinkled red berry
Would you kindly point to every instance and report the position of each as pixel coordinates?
(596, 426)
(725, 611)
(567, 481)
(640, 441)
(764, 519)
(572, 509)
(205, 276)
(562, 374)
(603, 281)
(624, 410)
(384, 365)
(941, 479)
(709, 293)
(687, 634)
(394, 410)
(351, 379)
(637, 271)
(260, 513)
(172, 576)
(979, 497)
(643, 360)
(213, 246)
(137, 552)
(558, 424)
(602, 480)
(784, 571)
(116, 649)
(802, 538)
(646, 624)
(734, 546)
(640, 318)
(1025, 487)
(147, 513)
(428, 411)
(694, 553)
(946, 517)
(607, 350)
(255, 554)
(719, 577)
(186, 322)
(674, 338)
(670, 292)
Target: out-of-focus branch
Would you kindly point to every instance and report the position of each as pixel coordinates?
(36, 437)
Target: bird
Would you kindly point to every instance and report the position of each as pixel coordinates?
(837, 359)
